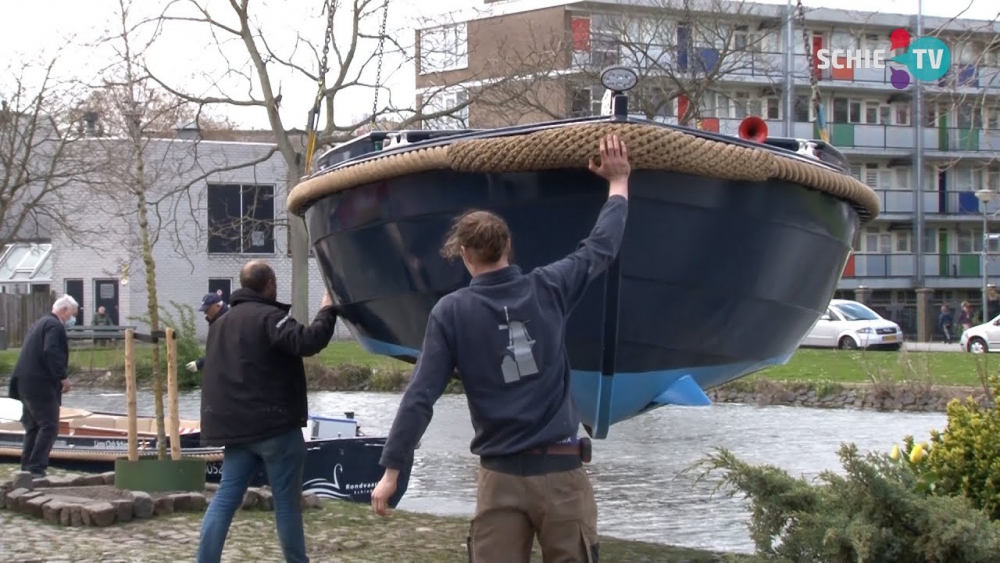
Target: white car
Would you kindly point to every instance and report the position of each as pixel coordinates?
(982, 338)
(850, 325)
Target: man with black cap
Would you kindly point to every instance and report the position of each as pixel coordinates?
(214, 307)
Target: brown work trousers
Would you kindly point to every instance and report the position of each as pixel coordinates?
(510, 509)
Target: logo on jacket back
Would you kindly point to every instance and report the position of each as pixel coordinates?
(520, 362)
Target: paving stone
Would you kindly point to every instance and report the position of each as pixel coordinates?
(34, 506)
(311, 500)
(266, 499)
(123, 510)
(142, 504)
(198, 502)
(251, 498)
(3, 498)
(22, 500)
(55, 481)
(211, 487)
(41, 483)
(108, 478)
(22, 480)
(163, 505)
(76, 515)
(99, 514)
(93, 480)
(52, 511)
(182, 502)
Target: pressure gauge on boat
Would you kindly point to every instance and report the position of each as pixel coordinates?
(619, 78)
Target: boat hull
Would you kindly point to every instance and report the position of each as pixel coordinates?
(346, 468)
(715, 279)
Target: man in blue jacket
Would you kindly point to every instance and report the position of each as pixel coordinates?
(39, 380)
(505, 334)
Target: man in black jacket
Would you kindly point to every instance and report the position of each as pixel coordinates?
(214, 307)
(506, 335)
(39, 380)
(253, 402)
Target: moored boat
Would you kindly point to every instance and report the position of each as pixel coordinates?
(732, 250)
(340, 462)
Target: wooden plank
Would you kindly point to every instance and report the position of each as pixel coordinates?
(175, 430)
(133, 444)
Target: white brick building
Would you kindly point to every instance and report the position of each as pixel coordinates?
(104, 265)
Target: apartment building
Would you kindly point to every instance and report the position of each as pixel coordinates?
(710, 64)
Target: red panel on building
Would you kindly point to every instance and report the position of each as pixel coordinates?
(849, 267)
(581, 33)
(816, 46)
(682, 106)
(709, 124)
(841, 73)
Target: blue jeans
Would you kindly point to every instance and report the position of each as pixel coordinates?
(283, 457)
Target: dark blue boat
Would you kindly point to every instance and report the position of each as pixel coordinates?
(717, 278)
(339, 463)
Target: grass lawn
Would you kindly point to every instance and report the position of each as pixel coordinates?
(838, 366)
(807, 365)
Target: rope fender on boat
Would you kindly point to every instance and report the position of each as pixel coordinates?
(572, 146)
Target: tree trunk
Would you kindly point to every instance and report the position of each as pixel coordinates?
(153, 309)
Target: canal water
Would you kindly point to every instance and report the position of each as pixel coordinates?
(641, 493)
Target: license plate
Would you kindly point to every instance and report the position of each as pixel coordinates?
(889, 338)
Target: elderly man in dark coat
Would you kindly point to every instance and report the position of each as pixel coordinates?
(40, 379)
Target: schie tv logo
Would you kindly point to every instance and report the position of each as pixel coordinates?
(927, 58)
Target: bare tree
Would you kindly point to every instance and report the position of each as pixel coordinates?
(147, 180)
(41, 155)
(335, 66)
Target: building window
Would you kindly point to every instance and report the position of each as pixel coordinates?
(447, 101)
(930, 240)
(803, 109)
(970, 116)
(240, 219)
(444, 48)
(991, 117)
(585, 102)
(873, 176)
(902, 113)
(903, 239)
(876, 241)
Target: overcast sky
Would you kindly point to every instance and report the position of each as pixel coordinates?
(184, 55)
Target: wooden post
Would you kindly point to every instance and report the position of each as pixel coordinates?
(175, 423)
(133, 441)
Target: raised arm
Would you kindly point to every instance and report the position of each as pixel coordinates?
(434, 369)
(292, 337)
(569, 277)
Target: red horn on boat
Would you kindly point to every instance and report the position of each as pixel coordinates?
(753, 129)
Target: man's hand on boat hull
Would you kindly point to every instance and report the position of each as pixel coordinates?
(614, 166)
(383, 491)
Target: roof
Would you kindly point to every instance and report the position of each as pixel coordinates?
(814, 15)
(23, 262)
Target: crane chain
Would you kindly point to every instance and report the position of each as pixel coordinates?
(381, 51)
(313, 122)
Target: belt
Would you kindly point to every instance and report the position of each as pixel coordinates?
(556, 449)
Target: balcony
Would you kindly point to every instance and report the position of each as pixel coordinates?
(936, 203)
(935, 265)
(960, 77)
(889, 138)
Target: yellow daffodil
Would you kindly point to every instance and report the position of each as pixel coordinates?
(895, 453)
(917, 453)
